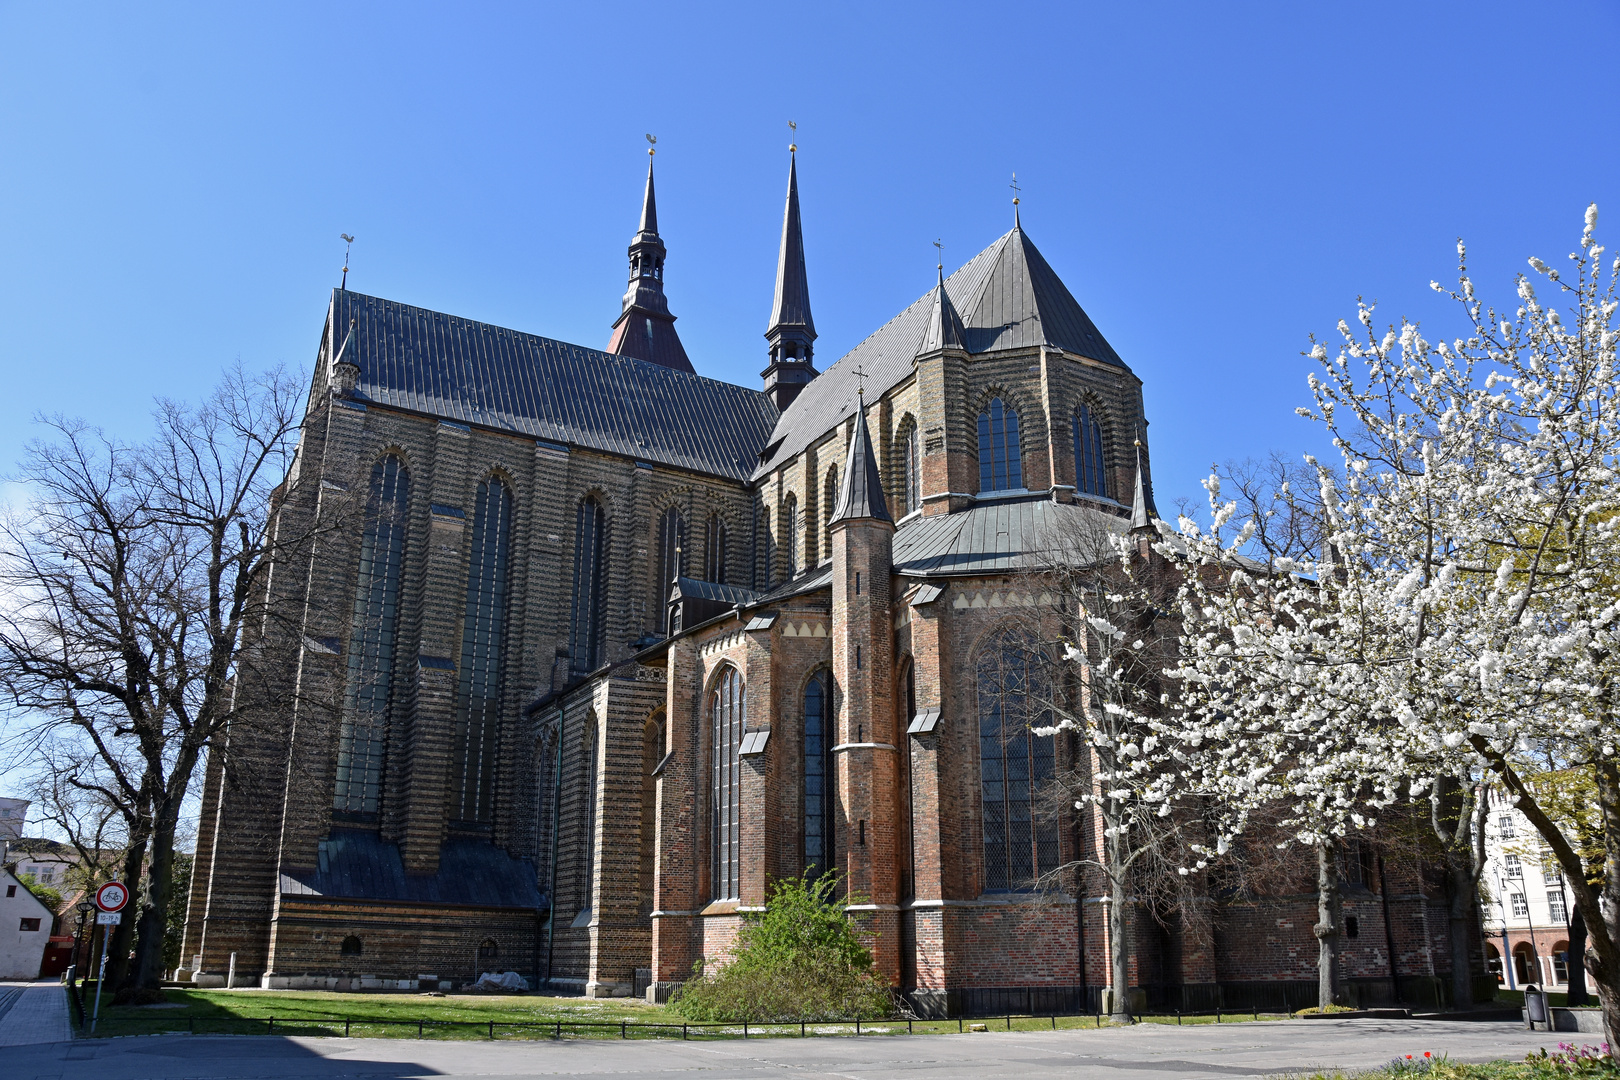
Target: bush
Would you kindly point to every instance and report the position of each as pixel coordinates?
(799, 960)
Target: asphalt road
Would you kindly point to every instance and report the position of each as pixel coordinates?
(1145, 1052)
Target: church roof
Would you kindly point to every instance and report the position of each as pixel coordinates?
(1003, 536)
(790, 305)
(1008, 298)
(476, 373)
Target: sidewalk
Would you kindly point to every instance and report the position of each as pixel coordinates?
(34, 1012)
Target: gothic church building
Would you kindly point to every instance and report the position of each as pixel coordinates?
(613, 646)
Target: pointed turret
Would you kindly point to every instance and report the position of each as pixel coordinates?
(645, 329)
(861, 493)
(1142, 509)
(944, 330)
(792, 332)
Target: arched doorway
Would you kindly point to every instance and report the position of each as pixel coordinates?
(1524, 963)
(1493, 961)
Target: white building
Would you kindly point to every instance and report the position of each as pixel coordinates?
(25, 929)
(1526, 916)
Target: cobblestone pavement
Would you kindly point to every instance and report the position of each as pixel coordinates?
(33, 1013)
(1146, 1052)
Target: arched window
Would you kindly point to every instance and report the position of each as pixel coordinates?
(483, 634)
(652, 752)
(1090, 458)
(1001, 463)
(585, 633)
(488, 949)
(727, 706)
(818, 849)
(671, 554)
(910, 478)
(588, 863)
(829, 503)
(352, 946)
(793, 526)
(1014, 766)
(363, 733)
(714, 557)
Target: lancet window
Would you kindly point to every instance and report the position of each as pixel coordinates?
(671, 553)
(817, 776)
(585, 630)
(1090, 457)
(727, 707)
(483, 636)
(1015, 765)
(1001, 464)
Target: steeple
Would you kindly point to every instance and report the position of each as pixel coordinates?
(944, 329)
(861, 493)
(1142, 509)
(645, 329)
(792, 332)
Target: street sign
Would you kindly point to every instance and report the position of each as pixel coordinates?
(109, 918)
(111, 897)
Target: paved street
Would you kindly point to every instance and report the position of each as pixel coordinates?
(33, 1012)
(1146, 1052)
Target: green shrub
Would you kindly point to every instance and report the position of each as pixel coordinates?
(801, 959)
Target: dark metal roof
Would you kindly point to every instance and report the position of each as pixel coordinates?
(356, 864)
(944, 328)
(649, 204)
(686, 587)
(860, 495)
(1004, 536)
(1008, 297)
(476, 373)
(791, 305)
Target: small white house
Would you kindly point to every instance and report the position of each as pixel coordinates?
(25, 929)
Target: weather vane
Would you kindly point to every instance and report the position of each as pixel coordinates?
(652, 147)
(793, 147)
(348, 242)
(939, 252)
(860, 373)
(1016, 190)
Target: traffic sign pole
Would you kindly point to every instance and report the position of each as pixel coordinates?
(101, 977)
(110, 899)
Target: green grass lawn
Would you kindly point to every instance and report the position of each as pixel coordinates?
(526, 1016)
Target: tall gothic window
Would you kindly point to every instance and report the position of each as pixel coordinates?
(652, 752)
(910, 486)
(363, 733)
(829, 503)
(818, 741)
(671, 540)
(478, 697)
(793, 525)
(585, 631)
(1001, 463)
(714, 556)
(1090, 464)
(1020, 843)
(730, 716)
(588, 862)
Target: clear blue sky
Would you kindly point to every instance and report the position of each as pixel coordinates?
(1212, 181)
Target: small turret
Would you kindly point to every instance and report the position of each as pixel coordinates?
(792, 332)
(944, 331)
(645, 329)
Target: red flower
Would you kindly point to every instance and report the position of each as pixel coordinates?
(1427, 1054)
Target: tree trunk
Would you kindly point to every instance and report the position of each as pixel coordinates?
(1603, 964)
(1119, 950)
(122, 934)
(1576, 963)
(152, 916)
(1329, 904)
(1461, 899)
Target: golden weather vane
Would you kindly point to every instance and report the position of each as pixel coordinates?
(939, 253)
(793, 147)
(652, 145)
(348, 242)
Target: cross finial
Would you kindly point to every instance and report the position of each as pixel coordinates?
(1016, 192)
(348, 242)
(652, 145)
(860, 373)
(939, 253)
(793, 147)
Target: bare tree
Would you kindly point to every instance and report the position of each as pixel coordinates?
(134, 574)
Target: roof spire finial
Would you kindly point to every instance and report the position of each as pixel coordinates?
(939, 256)
(348, 242)
(793, 146)
(652, 145)
(1016, 191)
(1142, 509)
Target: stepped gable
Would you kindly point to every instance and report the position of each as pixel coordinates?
(475, 373)
(1008, 297)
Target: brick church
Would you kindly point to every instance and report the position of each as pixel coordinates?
(612, 646)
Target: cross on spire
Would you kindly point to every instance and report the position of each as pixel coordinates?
(939, 253)
(860, 375)
(1016, 192)
(348, 242)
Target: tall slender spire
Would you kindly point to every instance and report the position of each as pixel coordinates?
(792, 331)
(944, 330)
(645, 329)
(1142, 509)
(861, 493)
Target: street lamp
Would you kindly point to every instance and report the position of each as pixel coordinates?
(84, 908)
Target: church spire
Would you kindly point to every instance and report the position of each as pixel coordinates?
(944, 330)
(1142, 509)
(792, 332)
(861, 493)
(645, 329)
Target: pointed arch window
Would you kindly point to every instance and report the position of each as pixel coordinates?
(483, 635)
(671, 554)
(1015, 765)
(362, 736)
(793, 525)
(587, 892)
(829, 502)
(1001, 463)
(1090, 458)
(727, 707)
(818, 849)
(585, 630)
(910, 468)
(714, 555)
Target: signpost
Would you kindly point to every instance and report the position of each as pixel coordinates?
(110, 901)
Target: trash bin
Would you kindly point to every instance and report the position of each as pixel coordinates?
(1536, 1016)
